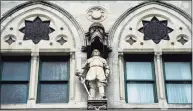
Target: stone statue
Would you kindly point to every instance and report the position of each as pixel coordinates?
(97, 71)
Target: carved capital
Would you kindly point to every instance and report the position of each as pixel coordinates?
(158, 55)
(72, 55)
(35, 55)
(161, 98)
(120, 55)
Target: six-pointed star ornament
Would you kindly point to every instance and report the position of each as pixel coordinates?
(36, 30)
(155, 30)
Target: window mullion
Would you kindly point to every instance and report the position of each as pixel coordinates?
(159, 77)
(33, 77)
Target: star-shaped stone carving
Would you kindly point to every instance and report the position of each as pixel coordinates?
(130, 40)
(10, 40)
(182, 40)
(155, 30)
(61, 40)
(36, 30)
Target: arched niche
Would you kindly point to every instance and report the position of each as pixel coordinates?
(67, 33)
(126, 39)
(66, 39)
(128, 24)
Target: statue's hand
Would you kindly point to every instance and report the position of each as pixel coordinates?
(82, 80)
(107, 73)
(78, 73)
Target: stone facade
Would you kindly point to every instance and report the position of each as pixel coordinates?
(72, 19)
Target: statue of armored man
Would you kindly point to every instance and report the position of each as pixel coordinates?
(96, 71)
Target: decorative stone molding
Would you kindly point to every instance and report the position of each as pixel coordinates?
(97, 38)
(177, 50)
(61, 39)
(97, 105)
(138, 50)
(182, 38)
(72, 55)
(96, 14)
(129, 11)
(25, 8)
(35, 55)
(158, 55)
(131, 39)
(10, 39)
(155, 29)
(120, 55)
(36, 30)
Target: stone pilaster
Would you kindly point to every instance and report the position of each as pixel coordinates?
(72, 73)
(121, 76)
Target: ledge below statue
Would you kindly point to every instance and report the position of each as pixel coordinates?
(97, 104)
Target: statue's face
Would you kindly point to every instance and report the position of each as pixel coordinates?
(95, 53)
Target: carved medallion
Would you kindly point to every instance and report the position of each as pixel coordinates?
(36, 30)
(96, 14)
(155, 30)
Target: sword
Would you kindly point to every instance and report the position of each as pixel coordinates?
(82, 80)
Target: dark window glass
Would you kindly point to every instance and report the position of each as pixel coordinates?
(15, 72)
(140, 92)
(53, 93)
(54, 71)
(53, 81)
(14, 93)
(177, 69)
(139, 79)
(178, 93)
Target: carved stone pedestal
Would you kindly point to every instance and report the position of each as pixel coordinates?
(97, 104)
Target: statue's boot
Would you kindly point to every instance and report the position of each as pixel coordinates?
(102, 92)
(92, 93)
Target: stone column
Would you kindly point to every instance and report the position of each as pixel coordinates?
(160, 80)
(33, 78)
(72, 73)
(121, 76)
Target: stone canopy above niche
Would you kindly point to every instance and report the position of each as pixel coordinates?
(36, 30)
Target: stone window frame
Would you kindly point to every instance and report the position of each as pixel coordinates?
(153, 81)
(53, 58)
(74, 51)
(160, 82)
(33, 80)
(176, 81)
(16, 59)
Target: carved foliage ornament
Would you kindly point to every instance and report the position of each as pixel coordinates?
(36, 30)
(155, 30)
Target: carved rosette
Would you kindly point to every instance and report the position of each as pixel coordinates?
(96, 14)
